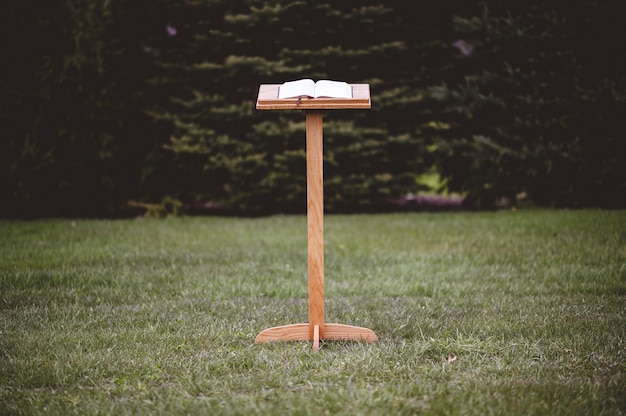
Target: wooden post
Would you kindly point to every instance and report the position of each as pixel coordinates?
(316, 329)
(315, 222)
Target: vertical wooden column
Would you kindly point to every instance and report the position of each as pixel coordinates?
(315, 223)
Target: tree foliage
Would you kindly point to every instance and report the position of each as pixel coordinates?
(147, 100)
(75, 136)
(538, 108)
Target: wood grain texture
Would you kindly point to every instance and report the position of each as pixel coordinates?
(300, 332)
(315, 218)
(338, 332)
(294, 332)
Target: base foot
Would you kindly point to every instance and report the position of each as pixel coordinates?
(332, 332)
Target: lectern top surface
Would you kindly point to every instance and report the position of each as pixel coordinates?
(268, 100)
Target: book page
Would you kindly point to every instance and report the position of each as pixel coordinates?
(333, 89)
(299, 88)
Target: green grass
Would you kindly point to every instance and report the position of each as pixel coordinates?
(160, 316)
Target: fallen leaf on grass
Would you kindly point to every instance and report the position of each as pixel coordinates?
(450, 358)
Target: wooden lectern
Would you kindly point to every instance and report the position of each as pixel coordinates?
(315, 330)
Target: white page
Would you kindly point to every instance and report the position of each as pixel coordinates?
(299, 88)
(334, 89)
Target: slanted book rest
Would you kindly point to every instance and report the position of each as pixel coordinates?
(306, 94)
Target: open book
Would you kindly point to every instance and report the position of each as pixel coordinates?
(310, 88)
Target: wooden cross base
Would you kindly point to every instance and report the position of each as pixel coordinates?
(302, 332)
(316, 329)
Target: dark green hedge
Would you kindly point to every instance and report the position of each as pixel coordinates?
(111, 101)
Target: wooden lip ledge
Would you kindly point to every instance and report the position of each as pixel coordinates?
(268, 100)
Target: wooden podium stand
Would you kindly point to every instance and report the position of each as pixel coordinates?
(316, 329)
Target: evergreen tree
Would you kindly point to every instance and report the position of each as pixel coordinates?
(255, 161)
(111, 100)
(537, 109)
(74, 130)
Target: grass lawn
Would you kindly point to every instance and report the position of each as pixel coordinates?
(159, 316)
